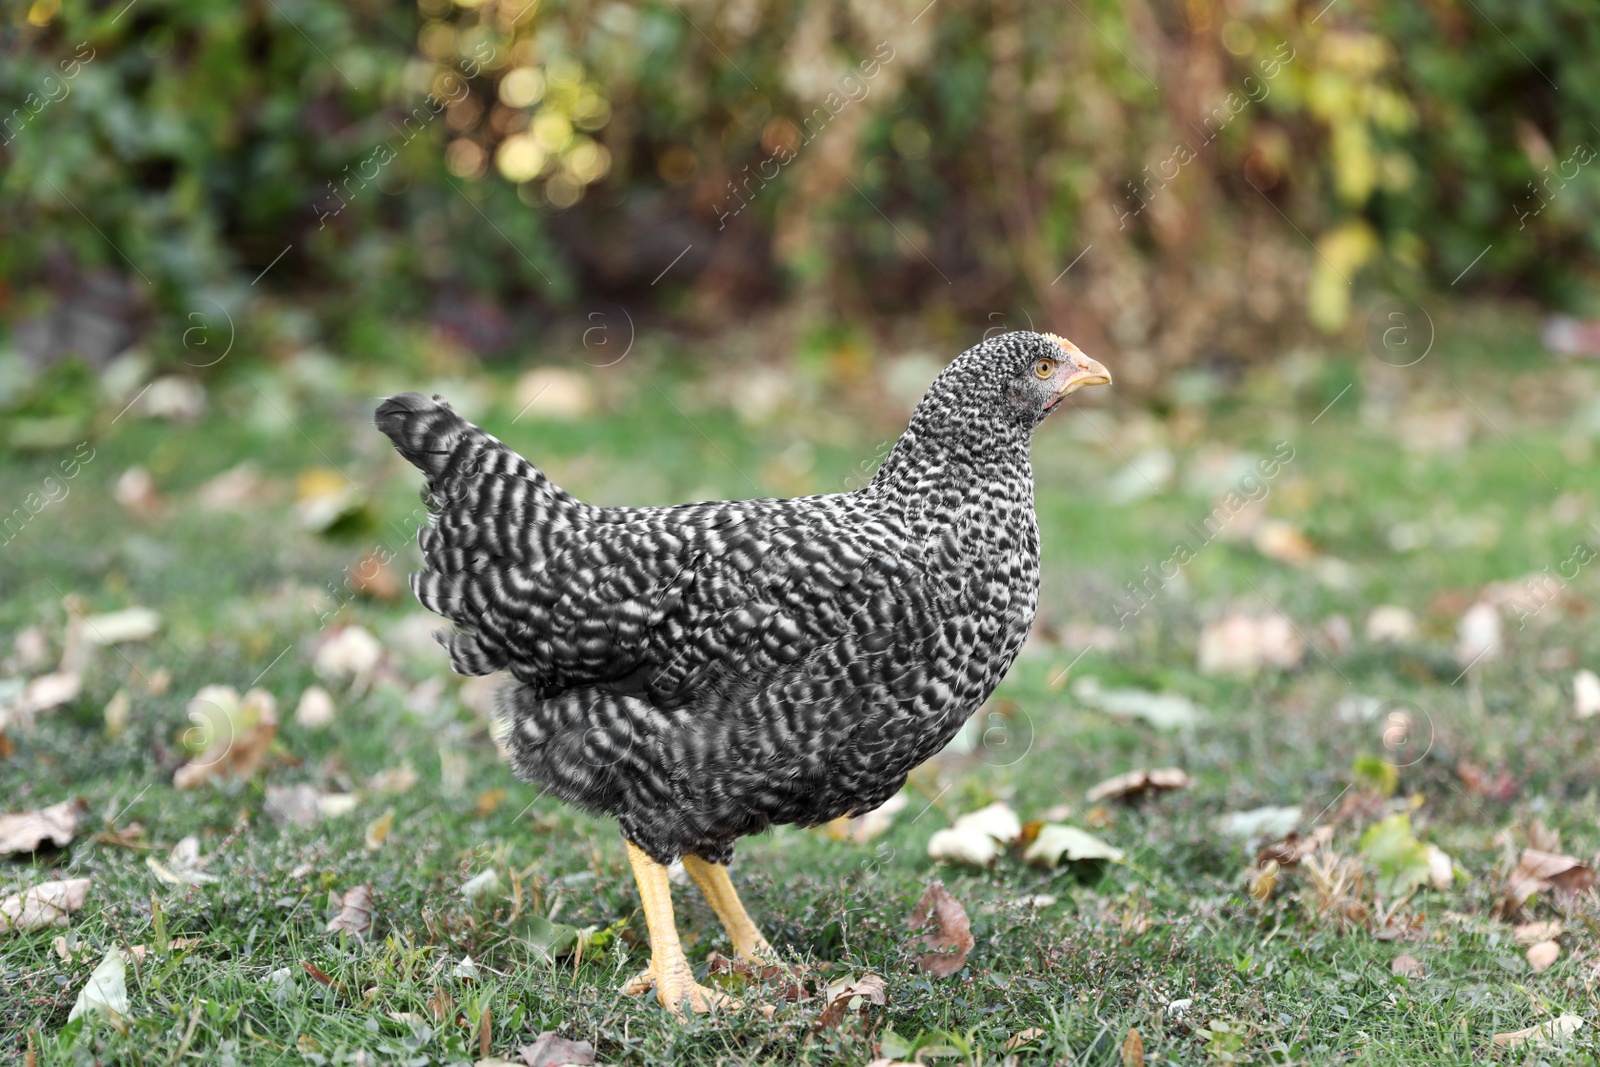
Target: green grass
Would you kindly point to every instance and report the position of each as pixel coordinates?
(1080, 955)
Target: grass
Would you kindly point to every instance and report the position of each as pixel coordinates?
(1079, 955)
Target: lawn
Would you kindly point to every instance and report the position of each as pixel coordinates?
(1431, 488)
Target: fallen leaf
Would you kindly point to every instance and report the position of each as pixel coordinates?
(1501, 787)
(27, 831)
(355, 913)
(316, 709)
(1282, 541)
(1295, 846)
(184, 866)
(1478, 635)
(306, 805)
(45, 693)
(1441, 868)
(316, 973)
(1164, 711)
(121, 627)
(1538, 871)
(552, 1050)
(1531, 933)
(136, 491)
(1262, 880)
(554, 393)
(1542, 1036)
(1133, 1049)
(850, 994)
(1586, 694)
(1390, 624)
(487, 801)
(1271, 822)
(1056, 842)
(1542, 955)
(1244, 644)
(401, 779)
(1401, 860)
(466, 969)
(997, 820)
(46, 904)
(349, 655)
(950, 940)
(1409, 966)
(1022, 1037)
(378, 830)
(965, 846)
(484, 883)
(230, 736)
(325, 499)
(233, 488)
(116, 713)
(765, 973)
(1139, 783)
(106, 990)
(373, 576)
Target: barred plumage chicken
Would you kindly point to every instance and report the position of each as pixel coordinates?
(705, 671)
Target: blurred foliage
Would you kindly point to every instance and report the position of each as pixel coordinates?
(1163, 180)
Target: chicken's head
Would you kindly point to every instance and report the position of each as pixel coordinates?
(1034, 372)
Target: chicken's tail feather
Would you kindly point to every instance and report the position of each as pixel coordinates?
(491, 510)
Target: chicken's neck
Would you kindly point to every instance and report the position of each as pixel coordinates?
(970, 453)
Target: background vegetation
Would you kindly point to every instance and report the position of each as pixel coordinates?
(1220, 177)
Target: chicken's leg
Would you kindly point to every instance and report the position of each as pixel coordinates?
(712, 878)
(669, 971)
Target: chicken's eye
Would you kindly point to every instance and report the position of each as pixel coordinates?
(1044, 368)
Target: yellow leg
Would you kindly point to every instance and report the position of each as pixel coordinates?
(712, 878)
(669, 971)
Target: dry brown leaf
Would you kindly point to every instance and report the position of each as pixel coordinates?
(1133, 1049)
(1543, 1035)
(487, 801)
(551, 1050)
(1294, 847)
(46, 904)
(231, 733)
(851, 995)
(1138, 783)
(28, 830)
(372, 576)
(1539, 871)
(378, 830)
(1022, 1037)
(1409, 966)
(355, 912)
(45, 693)
(399, 779)
(1531, 933)
(951, 938)
(1244, 644)
(1502, 786)
(316, 972)
(1542, 837)
(1281, 541)
(793, 986)
(1542, 955)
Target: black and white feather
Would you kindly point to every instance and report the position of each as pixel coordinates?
(704, 671)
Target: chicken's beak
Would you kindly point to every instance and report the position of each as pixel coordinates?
(1086, 372)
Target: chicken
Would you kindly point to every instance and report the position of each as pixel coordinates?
(704, 671)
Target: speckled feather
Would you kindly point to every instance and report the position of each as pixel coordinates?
(706, 670)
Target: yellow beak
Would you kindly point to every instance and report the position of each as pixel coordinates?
(1088, 372)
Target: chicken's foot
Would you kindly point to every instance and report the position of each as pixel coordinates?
(669, 972)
